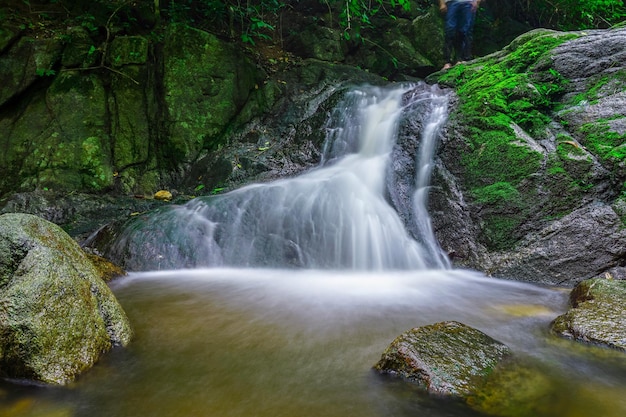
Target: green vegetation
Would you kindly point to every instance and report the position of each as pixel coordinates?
(254, 20)
(609, 145)
(569, 14)
(601, 87)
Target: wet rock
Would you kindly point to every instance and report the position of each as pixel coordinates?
(57, 316)
(574, 248)
(78, 214)
(447, 358)
(597, 314)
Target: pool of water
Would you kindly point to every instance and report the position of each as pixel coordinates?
(243, 342)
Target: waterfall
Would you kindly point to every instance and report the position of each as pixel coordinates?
(333, 217)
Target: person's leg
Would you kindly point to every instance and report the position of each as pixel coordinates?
(450, 29)
(466, 26)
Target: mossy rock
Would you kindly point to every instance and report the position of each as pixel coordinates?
(504, 109)
(524, 387)
(598, 315)
(206, 83)
(447, 358)
(57, 316)
(24, 62)
(126, 50)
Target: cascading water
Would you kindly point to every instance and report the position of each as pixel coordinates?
(333, 217)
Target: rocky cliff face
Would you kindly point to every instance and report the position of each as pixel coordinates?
(131, 121)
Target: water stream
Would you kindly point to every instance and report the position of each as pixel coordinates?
(277, 299)
(335, 216)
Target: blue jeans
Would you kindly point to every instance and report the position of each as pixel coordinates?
(459, 21)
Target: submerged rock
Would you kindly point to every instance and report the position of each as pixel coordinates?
(597, 315)
(447, 358)
(57, 316)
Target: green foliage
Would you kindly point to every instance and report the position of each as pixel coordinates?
(253, 20)
(42, 72)
(570, 14)
(258, 19)
(353, 15)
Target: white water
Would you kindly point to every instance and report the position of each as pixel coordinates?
(333, 217)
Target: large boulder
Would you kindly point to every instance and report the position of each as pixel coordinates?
(597, 314)
(57, 316)
(206, 83)
(447, 358)
(533, 158)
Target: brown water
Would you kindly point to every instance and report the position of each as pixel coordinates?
(237, 342)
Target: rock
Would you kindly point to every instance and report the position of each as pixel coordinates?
(206, 83)
(57, 316)
(24, 62)
(78, 214)
(319, 42)
(8, 34)
(597, 314)
(447, 358)
(574, 248)
(79, 50)
(106, 269)
(532, 160)
(163, 195)
(127, 50)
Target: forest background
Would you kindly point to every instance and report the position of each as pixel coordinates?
(252, 21)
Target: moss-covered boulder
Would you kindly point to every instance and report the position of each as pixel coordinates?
(127, 114)
(447, 359)
(597, 314)
(535, 146)
(57, 315)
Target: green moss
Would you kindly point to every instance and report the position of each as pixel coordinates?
(495, 193)
(505, 100)
(499, 229)
(604, 142)
(514, 390)
(599, 87)
(498, 157)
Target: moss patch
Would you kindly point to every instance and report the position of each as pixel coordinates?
(609, 145)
